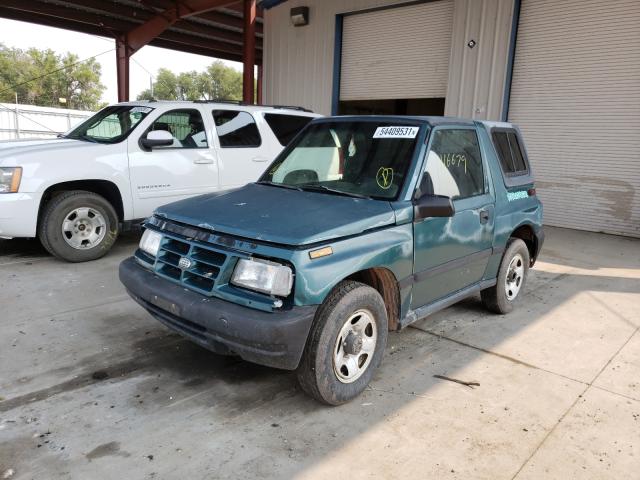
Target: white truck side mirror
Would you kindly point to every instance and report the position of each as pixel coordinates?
(157, 138)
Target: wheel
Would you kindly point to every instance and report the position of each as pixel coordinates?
(512, 276)
(345, 345)
(78, 226)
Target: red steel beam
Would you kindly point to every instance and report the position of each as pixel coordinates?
(138, 15)
(238, 7)
(221, 18)
(122, 69)
(249, 51)
(152, 28)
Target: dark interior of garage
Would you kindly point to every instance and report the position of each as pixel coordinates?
(398, 106)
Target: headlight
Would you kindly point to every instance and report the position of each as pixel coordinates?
(150, 242)
(263, 276)
(10, 179)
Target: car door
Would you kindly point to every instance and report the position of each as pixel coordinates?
(243, 154)
(169, 173)
(452, 253)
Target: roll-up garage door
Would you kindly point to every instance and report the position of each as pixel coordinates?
(399, 52)
(576, 95)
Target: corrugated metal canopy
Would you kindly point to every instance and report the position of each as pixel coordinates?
(215, 32)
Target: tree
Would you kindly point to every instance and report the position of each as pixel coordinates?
(218, 81)
(42, 77)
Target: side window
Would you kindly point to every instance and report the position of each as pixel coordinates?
(454, 164)
(185, 125)
(510, 153)
(236, 129)
(285, 127)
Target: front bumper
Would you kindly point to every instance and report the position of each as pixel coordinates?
(19, 214)
(274, 339)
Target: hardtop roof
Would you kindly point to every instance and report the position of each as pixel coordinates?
(431, 120)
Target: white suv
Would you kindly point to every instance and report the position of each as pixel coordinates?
(76, 192)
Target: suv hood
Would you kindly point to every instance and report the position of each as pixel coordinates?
(21, 151)
(279, 215)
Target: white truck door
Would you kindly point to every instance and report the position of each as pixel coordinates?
(244, 154)
(165, 174)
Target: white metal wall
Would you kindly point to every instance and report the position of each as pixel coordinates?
(477, 75)
(576, 96)
(298, 61)
(400, 52)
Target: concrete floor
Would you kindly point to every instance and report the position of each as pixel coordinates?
(92, 387)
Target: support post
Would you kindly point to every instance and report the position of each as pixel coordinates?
(122, 68)
(259, 94)
(17, 113)
(249, 51)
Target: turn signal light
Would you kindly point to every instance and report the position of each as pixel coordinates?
(322, 252)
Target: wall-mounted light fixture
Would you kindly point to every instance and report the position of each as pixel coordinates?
(300, 16)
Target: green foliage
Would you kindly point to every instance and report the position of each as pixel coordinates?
(42, 77)
(217, 82)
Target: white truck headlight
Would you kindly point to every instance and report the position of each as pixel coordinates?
(10, 179)
(263, 276)
(150, 242)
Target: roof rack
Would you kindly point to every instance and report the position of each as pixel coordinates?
(240, 102)
(289, 107)
(221, 100)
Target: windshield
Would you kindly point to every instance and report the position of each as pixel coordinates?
(110, 125)
(360, 159)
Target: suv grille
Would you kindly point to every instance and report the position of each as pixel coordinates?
(195, 266)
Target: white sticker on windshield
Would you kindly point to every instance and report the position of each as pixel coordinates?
(141, 109)
(396, 132)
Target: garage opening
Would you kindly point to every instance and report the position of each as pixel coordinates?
(395, 61)
(397, 106)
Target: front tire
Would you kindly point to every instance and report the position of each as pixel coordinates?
(78, 226)
(512, 276)
(346, 344)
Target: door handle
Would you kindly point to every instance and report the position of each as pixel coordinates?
(203, 160)
(484, 216)
(260, 159)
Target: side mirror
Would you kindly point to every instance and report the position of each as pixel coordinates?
(156, 138)
(433, 206)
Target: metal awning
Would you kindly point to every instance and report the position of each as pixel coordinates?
(215, 28)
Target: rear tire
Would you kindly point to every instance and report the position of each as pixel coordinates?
(78, 226)
(346, 344)
(512, 277)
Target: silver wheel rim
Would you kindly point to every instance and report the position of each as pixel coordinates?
(83, 228)
(355, 346)
(515, 277)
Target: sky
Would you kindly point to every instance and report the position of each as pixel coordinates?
(144, 63)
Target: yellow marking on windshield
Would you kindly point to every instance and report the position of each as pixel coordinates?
(384, 177)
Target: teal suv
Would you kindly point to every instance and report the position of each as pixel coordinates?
(361, 226)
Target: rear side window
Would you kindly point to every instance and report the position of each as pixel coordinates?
(454, 164)
(236, 129)
(510, 152)
(285, 127)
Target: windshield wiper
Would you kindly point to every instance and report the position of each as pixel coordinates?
(324, 188)
(82, 137)
(281, 185)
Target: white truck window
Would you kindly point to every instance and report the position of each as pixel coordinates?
(236, 129)
(185, 125)
(285, 127)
